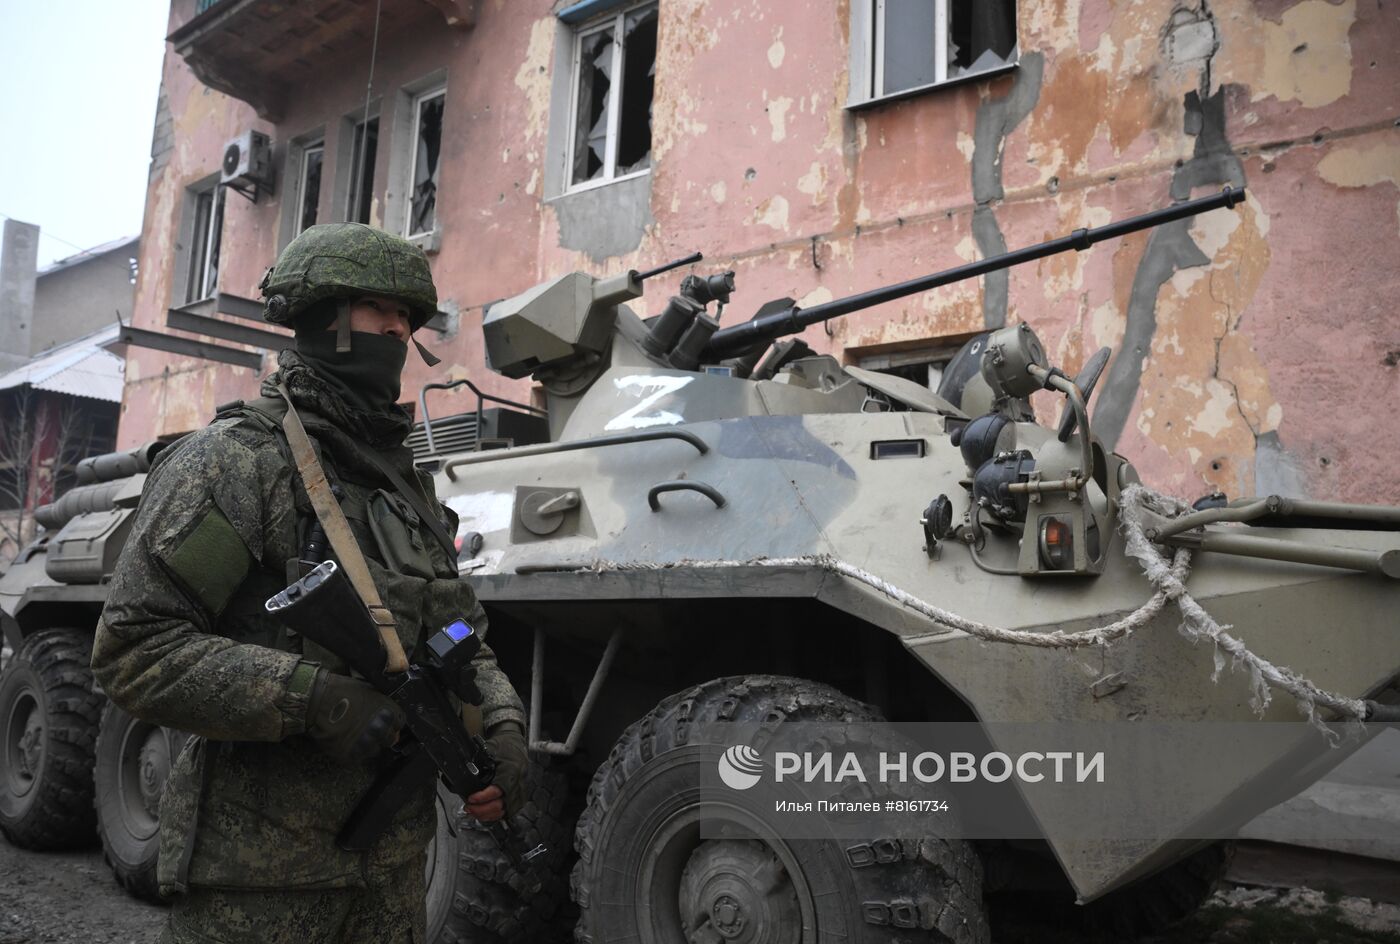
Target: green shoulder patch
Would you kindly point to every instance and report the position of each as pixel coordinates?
(211, 561)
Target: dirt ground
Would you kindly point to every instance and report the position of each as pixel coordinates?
(71, 898)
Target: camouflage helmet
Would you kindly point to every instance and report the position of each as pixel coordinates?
(342, 260)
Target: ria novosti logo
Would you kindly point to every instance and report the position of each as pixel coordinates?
(739, 767)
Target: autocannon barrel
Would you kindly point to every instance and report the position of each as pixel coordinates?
(740, 338)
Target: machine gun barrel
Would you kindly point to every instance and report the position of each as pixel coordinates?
(739, 338)
(668, 266)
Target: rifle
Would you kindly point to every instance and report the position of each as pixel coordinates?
(323, 607)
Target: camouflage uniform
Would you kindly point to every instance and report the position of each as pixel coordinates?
(252, 804)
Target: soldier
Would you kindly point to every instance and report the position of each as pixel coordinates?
(283, 733)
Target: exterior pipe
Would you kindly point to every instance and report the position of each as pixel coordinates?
(1276, 505)
(1384, 563)
(585, 710)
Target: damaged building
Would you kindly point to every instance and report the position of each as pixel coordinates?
(820, 150)
(59, 385)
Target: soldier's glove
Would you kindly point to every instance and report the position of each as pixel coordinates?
(350, 719)
(506, 739)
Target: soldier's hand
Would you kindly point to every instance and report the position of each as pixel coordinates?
(350, 719)
(487, 805)
(506, 739)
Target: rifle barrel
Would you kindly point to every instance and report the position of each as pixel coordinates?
(729, 341)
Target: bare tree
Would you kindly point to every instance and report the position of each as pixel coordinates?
(17, 434)
(40, 441)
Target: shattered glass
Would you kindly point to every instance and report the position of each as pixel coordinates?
(616, 83)
(638, 85)
(595, 81)
(980, 35)
(423, 199)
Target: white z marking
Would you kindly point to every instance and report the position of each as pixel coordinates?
(650, 389)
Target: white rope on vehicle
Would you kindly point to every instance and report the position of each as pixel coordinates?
(1167, 574)
(1198, 625)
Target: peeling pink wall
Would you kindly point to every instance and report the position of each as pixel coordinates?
(1270, 364)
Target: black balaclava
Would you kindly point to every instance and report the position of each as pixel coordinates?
(367, 377)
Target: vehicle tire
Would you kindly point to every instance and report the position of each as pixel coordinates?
(441, 872)
(492, 902)
(132, 764)
(645, 872)
(49, 714)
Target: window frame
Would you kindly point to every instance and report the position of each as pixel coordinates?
(198, 284)
(867, 59)
(617, 20)
(356, 169)
(299, 207)
(416, 108)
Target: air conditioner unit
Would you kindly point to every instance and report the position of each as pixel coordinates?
(247, 165)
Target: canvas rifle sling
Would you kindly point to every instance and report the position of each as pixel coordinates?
(338, 532)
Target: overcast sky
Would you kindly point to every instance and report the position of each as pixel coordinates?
(78, 87)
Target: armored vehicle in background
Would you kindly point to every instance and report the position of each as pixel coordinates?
(724, 527)
(76, 766)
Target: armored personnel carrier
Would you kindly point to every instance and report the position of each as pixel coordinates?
(710, 530)
(76, 766)
(726, 531)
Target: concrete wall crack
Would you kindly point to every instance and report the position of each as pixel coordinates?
(1213, 163)
(996, 119)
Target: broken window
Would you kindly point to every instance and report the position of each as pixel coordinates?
(614, 78)
(362, 154)
(923, 365)
(309, 184)
(427, 145)
(202, 279)
(920, 43)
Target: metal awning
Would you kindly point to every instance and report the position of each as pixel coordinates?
(199, 318)
(81, 368)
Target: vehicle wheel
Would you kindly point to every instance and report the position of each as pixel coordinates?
(441, 869)
(133, 760)
(646, 870)
(50, 713)
(492, 903)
